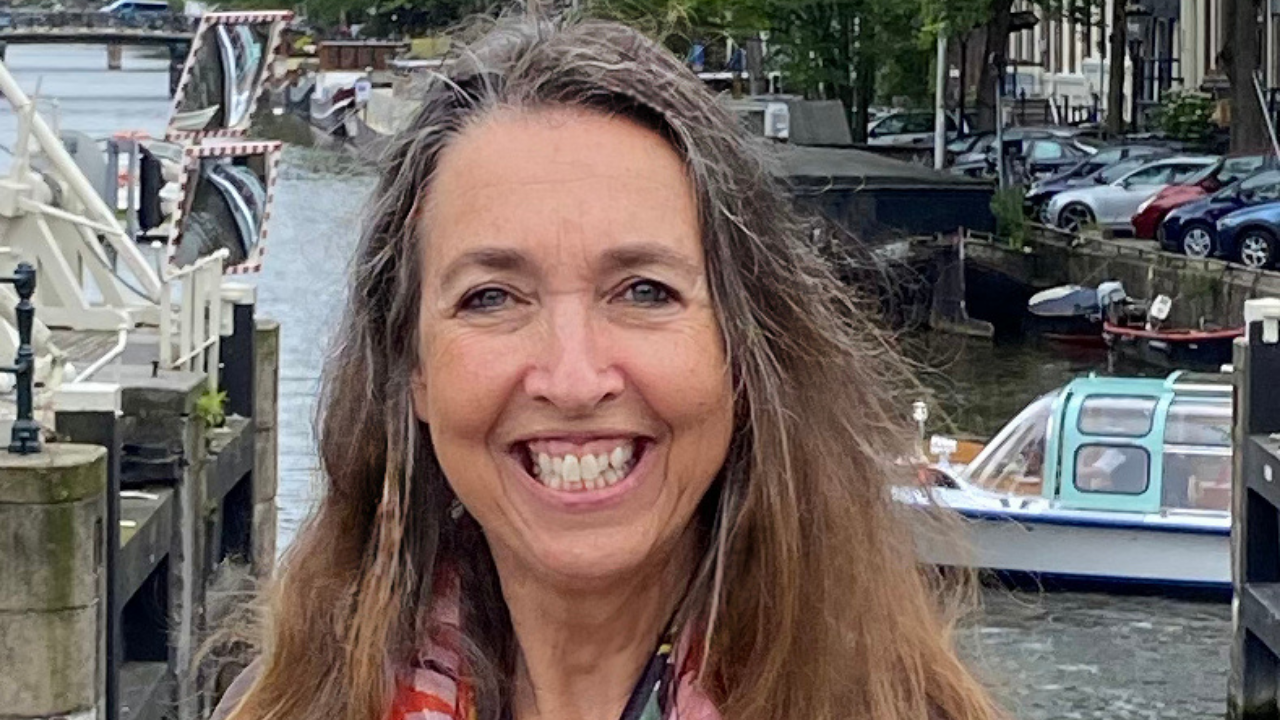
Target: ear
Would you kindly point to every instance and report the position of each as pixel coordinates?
(418, 389)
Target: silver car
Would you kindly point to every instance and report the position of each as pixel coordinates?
(1111, 206)
(907, 127)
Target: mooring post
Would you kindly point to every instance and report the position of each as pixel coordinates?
(266, 402)
(52, 582)
(236, 348)
(1255, 524)
(177, 59)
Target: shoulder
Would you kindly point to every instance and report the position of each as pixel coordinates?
(236, 692)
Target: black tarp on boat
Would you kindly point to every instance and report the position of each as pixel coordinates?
(878, 198)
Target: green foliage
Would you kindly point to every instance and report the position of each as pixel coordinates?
(1011, 220)
(211, 408)
(1185, 116)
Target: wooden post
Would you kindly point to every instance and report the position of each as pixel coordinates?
(52, 582)
(1255, 524)
(266, 394)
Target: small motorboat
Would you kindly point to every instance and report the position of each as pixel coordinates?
(1204, 348)
(1106, 480)
(1073, 313)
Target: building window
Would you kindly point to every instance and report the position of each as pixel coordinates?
(1113, 469)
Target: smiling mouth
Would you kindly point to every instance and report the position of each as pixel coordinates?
(579, 467)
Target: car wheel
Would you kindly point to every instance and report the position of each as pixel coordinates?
(1257, 248)
(1075, 216)
(1197, 241)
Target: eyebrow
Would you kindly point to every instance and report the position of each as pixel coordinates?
(645, 254)
(627, 257)
(499, 259)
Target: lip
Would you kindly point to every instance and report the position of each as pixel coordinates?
(586, 501)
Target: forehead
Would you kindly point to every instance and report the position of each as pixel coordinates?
(559, 180)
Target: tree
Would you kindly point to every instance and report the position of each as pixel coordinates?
(1241, 57)
(1115, 79)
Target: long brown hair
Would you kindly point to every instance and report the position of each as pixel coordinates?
(808, 579)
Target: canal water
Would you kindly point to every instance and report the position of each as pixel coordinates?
(1049, 656)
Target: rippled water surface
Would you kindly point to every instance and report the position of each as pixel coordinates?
(1049, 656)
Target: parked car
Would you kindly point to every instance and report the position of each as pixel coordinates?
(909, 127)
(1105, 166)
(1192, 228)
(1112, 205)
(1146, 221)
(139, 12)
(1061, 149)
(1250, 235)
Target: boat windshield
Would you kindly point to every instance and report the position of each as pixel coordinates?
(1013, 462)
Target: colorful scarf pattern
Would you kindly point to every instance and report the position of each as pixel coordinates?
(436, 688)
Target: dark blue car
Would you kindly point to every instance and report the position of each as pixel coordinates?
(1192, 228)
(1250, 235)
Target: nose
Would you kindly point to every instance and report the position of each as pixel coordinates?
(573, 371)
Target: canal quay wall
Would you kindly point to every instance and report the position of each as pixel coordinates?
(129, 540)
(1000, 277)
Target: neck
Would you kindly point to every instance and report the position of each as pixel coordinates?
(583, 646)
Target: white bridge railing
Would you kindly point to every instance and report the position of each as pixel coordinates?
(198, 317)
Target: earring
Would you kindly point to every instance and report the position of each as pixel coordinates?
(456, 509)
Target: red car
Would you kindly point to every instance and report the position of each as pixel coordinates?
(1215, 177)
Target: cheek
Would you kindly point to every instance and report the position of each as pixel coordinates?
(684, 378)
(465, 382)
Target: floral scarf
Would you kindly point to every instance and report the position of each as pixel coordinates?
(435, 688)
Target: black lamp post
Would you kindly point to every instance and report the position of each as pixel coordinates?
(1136, 16)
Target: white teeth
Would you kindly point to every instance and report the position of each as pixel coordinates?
(572, 471)
(590, 469)
(587, 471)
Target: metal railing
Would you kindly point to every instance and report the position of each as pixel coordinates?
(25, 437)
(92, 19)
(199, 317)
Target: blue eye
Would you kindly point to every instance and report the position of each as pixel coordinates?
(648, 292)
(486, 299)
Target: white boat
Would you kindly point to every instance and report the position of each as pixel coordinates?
(1106, 480)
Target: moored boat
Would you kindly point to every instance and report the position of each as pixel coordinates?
(1149, 341)
(1072, 313)
(1106, 480)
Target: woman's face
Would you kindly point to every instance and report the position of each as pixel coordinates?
(572, 371)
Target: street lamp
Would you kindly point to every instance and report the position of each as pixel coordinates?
(1136, 16)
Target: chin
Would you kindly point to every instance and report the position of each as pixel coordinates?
(588, 557)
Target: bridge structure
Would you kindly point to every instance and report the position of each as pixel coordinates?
(92, 27)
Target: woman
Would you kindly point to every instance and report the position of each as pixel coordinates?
(602, 436)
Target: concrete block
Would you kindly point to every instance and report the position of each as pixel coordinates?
(266, 348)
(170, 394)
(62, 472)
(266, 464)
(50, 554)
(264, 538)
(50, 661)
